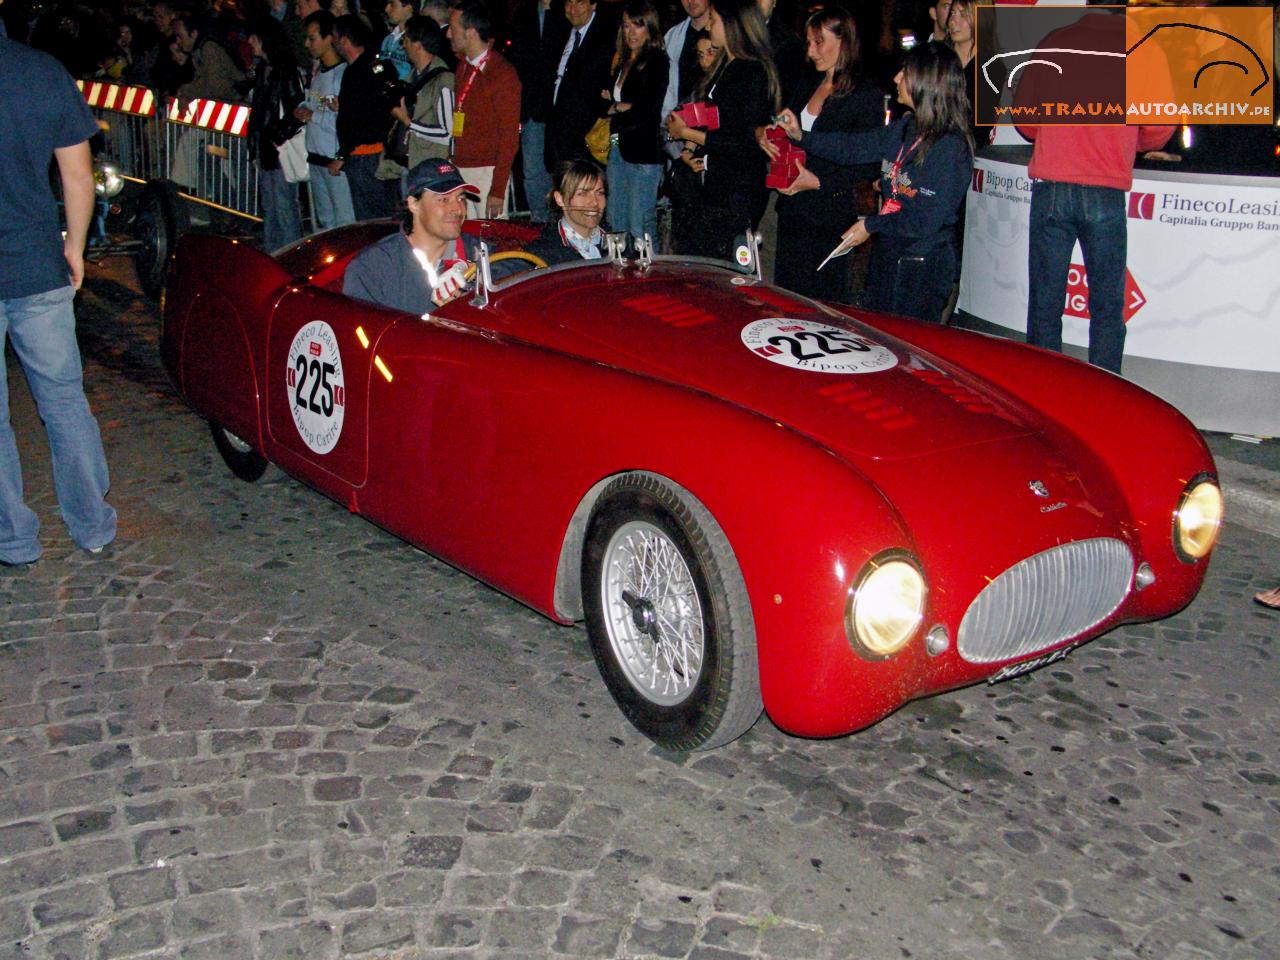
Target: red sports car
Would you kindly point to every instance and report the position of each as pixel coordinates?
(753, 499)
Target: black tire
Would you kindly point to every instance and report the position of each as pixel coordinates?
(684, 705)
(245, 462)
(160, 220)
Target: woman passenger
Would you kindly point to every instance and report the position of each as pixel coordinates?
(579, 194)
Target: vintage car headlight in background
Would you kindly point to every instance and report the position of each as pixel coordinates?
(1198, 519)
(107, 181)
(885, 606)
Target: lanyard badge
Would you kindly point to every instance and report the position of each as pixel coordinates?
(899, 179)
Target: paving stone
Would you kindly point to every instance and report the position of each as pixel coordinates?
(589, 936)
(661, 938)
(133, 934)
(337, 788)
(69, 826)
(74, 904)
(14, 921)
(201, 916)
(315, 940)
(23, 837)
(376, 931)
(456, 929)
(137, 888)
(434, 852)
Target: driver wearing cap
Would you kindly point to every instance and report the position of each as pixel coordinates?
(423, 266)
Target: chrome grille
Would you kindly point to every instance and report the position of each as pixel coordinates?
(1046, 599)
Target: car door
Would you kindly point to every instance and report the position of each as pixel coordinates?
(321, 352)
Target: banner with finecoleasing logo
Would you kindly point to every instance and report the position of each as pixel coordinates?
(1203, 279)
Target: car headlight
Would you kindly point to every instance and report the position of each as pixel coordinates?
(107, 181)
(1198, 519)
(885, 606)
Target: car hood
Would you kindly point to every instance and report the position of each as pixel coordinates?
(860, 392)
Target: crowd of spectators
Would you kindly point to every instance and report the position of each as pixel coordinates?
(375, 91)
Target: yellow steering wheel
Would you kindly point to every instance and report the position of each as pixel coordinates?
(530, 258)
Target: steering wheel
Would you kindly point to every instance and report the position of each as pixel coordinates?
(532, 259)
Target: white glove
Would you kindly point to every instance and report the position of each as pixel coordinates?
(450, 284)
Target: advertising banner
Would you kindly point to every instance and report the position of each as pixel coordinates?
(1203, 284)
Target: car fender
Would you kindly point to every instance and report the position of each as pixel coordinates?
(1149, 449)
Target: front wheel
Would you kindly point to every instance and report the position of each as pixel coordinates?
(668, 617)
(245, 462)
(160, 221)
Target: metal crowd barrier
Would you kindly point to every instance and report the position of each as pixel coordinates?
(130, 127)
(202, 145)
(208, 152)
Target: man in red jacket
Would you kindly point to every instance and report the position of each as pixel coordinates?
(486, 112)
(1080, 175)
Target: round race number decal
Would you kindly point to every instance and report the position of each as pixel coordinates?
(317, 395)
(808, 345)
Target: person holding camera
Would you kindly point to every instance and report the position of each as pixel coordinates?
(425, 112)
(330, 192)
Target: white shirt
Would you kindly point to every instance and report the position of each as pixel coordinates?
(581, 34)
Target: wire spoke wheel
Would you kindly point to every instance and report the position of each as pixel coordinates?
(652, 613)
(667, 615)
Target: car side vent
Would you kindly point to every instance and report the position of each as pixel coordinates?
(1046, 599)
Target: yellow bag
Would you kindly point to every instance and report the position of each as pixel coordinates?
(598, 140)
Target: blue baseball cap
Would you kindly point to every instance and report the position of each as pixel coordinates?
(437, 176)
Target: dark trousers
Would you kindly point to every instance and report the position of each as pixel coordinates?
(911, 278)
(371, 198)
(1061, 214)
(810, 224)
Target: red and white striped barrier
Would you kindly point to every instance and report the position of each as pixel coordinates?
(232, 118)
(138, 101)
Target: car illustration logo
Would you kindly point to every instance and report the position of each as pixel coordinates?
(1038, 488)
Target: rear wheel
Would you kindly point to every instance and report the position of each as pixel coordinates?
(245, 462)
(159, 222)
(668, 616)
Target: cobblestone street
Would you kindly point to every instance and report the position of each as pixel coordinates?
(260, 727)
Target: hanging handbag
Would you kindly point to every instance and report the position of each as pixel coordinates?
(293, 157)
(598, 140)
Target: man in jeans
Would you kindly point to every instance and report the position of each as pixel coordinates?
(330, 192)
(43, 116)
(1081, 174)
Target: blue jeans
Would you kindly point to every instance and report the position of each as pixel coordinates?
(537, 182)
(281, 220)
(43, 330)
(1061, 214)
(330, 198)
(633, 195)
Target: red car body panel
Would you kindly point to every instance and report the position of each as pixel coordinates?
(480, 434)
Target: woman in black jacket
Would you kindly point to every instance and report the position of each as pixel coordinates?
(814, 211)
(745, 92)
(926, 159)
(277, 91)
(635, 115)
